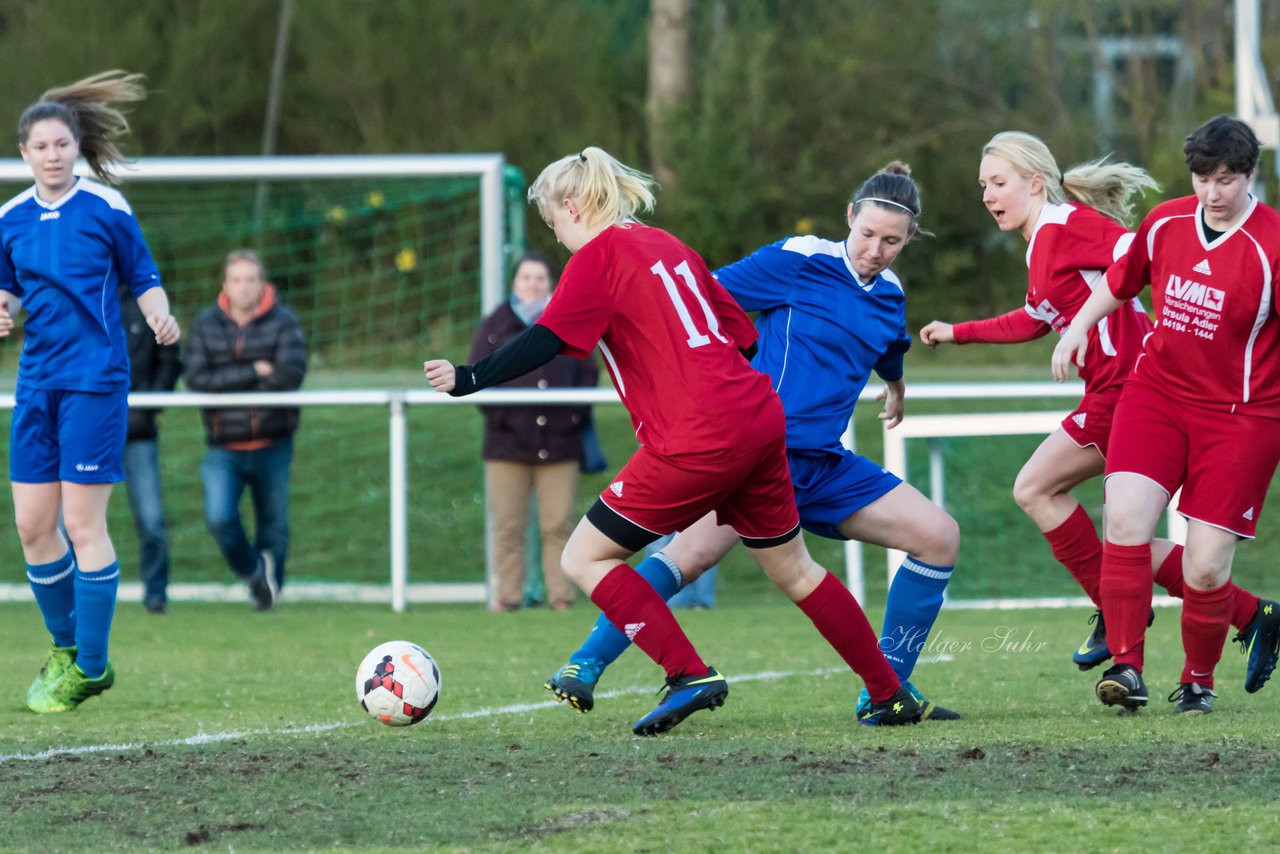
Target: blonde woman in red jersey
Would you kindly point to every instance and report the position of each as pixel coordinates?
(711, 429)
(1201, 411)
(1072, 224)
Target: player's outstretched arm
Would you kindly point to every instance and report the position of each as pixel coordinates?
(528, 351)
(937, 332)
(1072, 345)
(440, 373)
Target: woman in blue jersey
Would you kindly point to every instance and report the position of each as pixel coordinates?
(66, 245)
(831, 312)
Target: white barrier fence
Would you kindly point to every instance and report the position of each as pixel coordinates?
(935, 427)
(399, 592)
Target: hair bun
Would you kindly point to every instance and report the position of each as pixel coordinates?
(896, 167)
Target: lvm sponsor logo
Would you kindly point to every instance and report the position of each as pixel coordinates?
(1194, 293)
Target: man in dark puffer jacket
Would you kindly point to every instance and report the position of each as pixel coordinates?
(248, 342)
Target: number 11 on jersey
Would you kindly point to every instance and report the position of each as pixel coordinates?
(696, 339)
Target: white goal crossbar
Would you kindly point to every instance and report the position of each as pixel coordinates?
(486, 167)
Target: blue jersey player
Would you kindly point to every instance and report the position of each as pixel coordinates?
(830, 313)
(66, 246)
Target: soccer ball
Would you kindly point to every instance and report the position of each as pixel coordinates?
(398, 683)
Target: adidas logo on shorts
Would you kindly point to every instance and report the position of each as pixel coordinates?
(616, 488)
(1079, 419)
(1248, 514)
(1203, 268)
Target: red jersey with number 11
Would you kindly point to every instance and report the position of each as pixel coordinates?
(670, 335)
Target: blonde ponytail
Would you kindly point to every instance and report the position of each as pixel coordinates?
(606, 191)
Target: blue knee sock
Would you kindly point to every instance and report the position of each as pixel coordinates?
(95, 605)
(606, 643)
(914, 600)
(55, 591)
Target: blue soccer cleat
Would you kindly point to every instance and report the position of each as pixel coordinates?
(685, 695)
(575, 683)
(1260, 640)
(1094, 650)
(929, 710)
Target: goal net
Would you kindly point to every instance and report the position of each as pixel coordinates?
(385, 260)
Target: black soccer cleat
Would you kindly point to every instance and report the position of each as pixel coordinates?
(1192, 699)
(684, 696)
(899, 710)
(1260, 640)
(1122, 686)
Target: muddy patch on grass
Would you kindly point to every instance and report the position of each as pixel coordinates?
(565, 822)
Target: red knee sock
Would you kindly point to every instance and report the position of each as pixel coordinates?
(1206, 616)
(840, 620)
(1243, 606)
(1169, 574)
(1075, 545)
(631, 604)
(1126, 600)
(1243, 603)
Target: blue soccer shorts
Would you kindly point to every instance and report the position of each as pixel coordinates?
(72, 436)
(831, 486)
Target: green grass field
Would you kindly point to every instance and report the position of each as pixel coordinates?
(229, 730)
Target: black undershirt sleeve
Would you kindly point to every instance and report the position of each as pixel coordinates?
(750, 352)
(528, 351)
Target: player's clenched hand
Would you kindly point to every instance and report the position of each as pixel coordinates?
(165, 326)
(937, 333)
(440, 374)
(1070, 348)
(6, 320)
(894, 396)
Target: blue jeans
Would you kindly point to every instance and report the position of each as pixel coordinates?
(266, 472)
(142, 481)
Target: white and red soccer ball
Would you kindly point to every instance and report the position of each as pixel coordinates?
(398, 683)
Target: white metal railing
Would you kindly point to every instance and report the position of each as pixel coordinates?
(935, 427)
(400, 592)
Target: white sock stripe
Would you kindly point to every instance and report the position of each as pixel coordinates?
(98, 576)
(51, 579)
(926, 571)
(671, 565)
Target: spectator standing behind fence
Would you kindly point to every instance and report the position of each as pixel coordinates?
(248, 342)
(531, 449)
(153, 367)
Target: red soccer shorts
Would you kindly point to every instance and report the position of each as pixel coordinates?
(750, 490)
(1222, 461)
(1090, 424)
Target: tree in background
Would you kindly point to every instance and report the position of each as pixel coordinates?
(784, 104)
